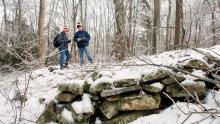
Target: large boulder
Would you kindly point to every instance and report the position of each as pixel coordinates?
(72, 88)
(49, 114)
(175, 90)
(155, 76)
(125, 83)
(173, 78)
(140, 102)
(109, 109)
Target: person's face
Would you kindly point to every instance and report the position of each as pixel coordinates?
(79, 28)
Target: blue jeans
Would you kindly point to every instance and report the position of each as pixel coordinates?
(64, 56)
(81, 54)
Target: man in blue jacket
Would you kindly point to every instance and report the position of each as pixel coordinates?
(82, 39)
(63, 49)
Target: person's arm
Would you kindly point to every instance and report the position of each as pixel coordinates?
(87, 36)
(61, 39)
(76, 37)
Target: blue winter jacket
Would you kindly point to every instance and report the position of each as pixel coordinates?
(63, 40)
(85, 41)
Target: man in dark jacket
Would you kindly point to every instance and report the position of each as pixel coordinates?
(82, 38)
(63, 49)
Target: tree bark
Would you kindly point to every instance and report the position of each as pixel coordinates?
(168, 27)
(178, 31)
(41, 32)
(156, 26)
(120, 44)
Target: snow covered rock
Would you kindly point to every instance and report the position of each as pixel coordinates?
(82, 110)
(153, 88)
(109, 109)
(195, 64)
(99, 87)
(125, 83)
(155, 76)
(140, 102)
(72, 88)
(173, 78)
(175, 90)
(126, 117)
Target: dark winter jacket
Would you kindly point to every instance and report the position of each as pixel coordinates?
(63, 40)
(86, 38)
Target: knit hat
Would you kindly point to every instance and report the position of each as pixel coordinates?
(78, 25)
(65, 29)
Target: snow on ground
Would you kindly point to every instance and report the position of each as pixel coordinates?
(42, 84)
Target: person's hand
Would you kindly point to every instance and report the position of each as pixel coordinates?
(80, 39)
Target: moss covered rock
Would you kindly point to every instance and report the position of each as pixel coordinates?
(109, 109)
(65, 97)
(73, 88)
(49, 114)
(125, 83)
(141, 102)
(175, 90)
(100, 87)
(152, 88)
(173, 78)
(196, 64)
(155, 76)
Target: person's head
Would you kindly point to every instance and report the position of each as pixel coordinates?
(65, 30)
(79, 26)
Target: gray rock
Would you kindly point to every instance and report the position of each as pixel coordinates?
(109, 109)
(141, 102)
(114, 92)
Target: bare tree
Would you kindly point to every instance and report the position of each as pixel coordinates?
(41, 32)
(120, 44)
(178, 28)
(168, 26)
(156, 26)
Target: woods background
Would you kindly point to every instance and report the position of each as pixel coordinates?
(119, 28)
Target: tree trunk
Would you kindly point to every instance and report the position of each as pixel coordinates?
(18, 18)
(178, 31)
(168, 27)
(120, 44)
(73, 47)
(156, 26)
(41, 32)
(130, 15)
(213, 22)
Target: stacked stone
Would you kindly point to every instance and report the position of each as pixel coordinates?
(125, 100)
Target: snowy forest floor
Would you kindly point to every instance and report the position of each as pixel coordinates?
(38, 87)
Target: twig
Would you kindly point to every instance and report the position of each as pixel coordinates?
(174, 103)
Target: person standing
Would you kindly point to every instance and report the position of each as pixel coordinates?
(63, 49)
(82, 38)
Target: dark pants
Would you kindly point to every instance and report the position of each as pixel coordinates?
(64, 56)
(81, 54)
